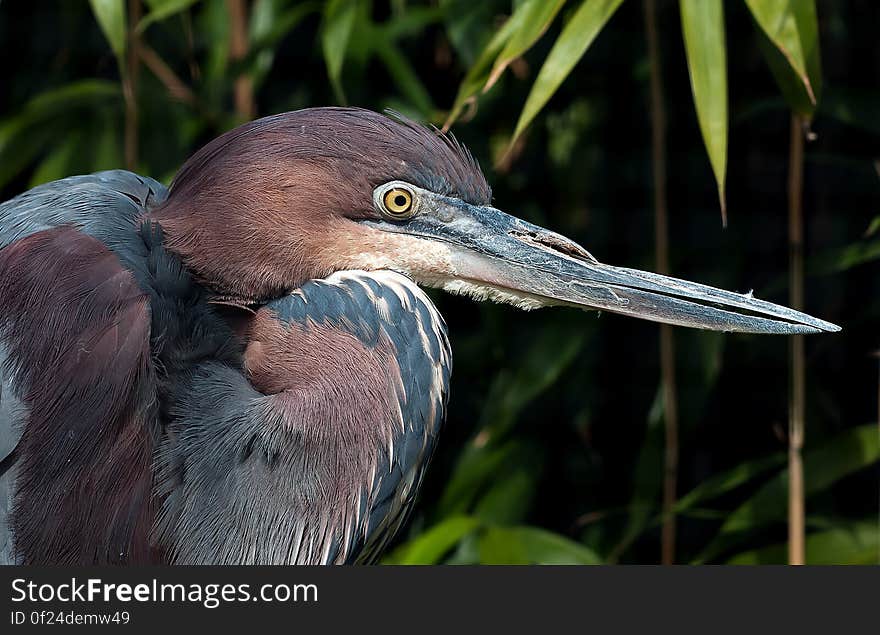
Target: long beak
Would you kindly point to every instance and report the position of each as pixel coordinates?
(493, 250)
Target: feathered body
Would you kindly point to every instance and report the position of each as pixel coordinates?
(143, 420)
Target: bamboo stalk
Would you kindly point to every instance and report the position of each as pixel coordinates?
(238, 49)
(175, 86)
(130, 85)
(798, 378)
(661, 246)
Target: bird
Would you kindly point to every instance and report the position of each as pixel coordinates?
(244, 367)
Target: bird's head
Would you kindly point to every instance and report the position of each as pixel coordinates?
(299, 195)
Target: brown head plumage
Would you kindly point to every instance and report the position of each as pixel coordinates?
(270, 204)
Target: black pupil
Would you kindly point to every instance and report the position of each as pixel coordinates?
(400, 200)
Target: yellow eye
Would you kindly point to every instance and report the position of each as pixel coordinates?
(398, 202)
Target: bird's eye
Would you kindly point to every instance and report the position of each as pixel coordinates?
(398, 203)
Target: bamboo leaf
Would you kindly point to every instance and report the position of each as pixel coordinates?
(729, 480)
(702, 23)
(548, 356)
(537, 369)
(855, 107)
(532, 19)
(845, 258)
(81, 92)
(468, 25)
(790, 85)
(19, 146)
(858, 543)
(848, 452)
(410, 23)
(646, 485)
(530, 545)
(338, 22)
(45, 118)
(107, 148)
(576, 37)
(793, 28)
(269, 24)
(476, 465)
(405, 77)
(162, 10)
(642, 508)
(110, 15)
(214, 19)
(513, 489)
(57, 163)
(430, 546)
(478, 73)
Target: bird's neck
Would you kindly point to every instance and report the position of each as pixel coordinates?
(240, 254)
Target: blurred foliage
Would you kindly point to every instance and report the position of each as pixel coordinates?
(553, 448)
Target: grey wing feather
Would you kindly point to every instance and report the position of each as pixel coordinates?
(236, 485)
(219, 478)
(12, 416)
(425, 371)
(249, 478)
(100, 204)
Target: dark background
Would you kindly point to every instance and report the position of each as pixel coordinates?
(555, 420)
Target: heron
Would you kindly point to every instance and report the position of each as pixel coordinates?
(243, 368)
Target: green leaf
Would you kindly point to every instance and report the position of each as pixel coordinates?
(540, 365)
(214, 20)
(513, 490)
(848, 452)
(705, 351)
(268, 26)
(57, 164)
(339, 18)
(647, 480)
(405, 77)
(477, 464)
(548, 355)
(854, 107)
(793, 28)
(269, 23)
(478, 73)
(162, 10)
(532, 18)
(702, 23)
(858, 543)
(430, 546)
(110, 15)
(530, 545)
(468, 25)
(411, 23)
(265, 14)
(793, 90)
(17, 151)
(107, 148)
(47, 117)
(728, 481)
(845, 258)
(84, 92)
(576, 37)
